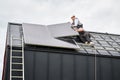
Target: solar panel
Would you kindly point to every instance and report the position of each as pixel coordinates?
(109, 48)
(60, 30)
(117, 49)
(107, 37)
(99, 38)
(115, 38)
(103, 52)
(99, 47)
(119, 43)
(96, 35)
(115, 53)
(118, 40)
(40, 35)
(114, 44)
(104, 43)
(91, 51)
(82, 51)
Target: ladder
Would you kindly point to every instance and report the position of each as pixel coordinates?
(16, 59)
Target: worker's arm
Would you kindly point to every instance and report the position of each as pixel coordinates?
(74, 26)
(76, 22)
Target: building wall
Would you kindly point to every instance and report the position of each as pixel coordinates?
(54, 65)
(6, 68)
(46, 65)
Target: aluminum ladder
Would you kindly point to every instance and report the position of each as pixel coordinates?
(17, 59)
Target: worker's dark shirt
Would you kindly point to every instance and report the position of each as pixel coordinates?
(85, 36)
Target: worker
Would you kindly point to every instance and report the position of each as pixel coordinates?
(76, 23)
(83, 35)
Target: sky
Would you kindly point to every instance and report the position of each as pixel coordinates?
(96, 15)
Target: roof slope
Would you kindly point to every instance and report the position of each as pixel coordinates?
(60, 35)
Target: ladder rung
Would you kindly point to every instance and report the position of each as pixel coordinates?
(17, 76)
(17, 63)
(17, 70)
(18, 45)
(17, 50)
(16, 57)
(17, 39)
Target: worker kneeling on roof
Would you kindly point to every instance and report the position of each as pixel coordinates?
(83, 35)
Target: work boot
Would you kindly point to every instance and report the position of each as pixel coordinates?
(86, 42)
(91, 44)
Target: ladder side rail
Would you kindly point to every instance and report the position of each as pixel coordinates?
(11, 57)
(23, 57)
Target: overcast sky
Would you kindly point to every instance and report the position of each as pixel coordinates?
(96, 15)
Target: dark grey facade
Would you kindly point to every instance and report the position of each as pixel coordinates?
(69, 65)
(66, 61)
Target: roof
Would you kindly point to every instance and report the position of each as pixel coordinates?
(61, 35)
